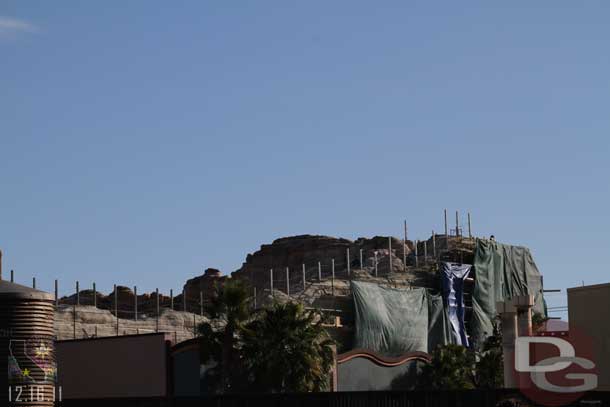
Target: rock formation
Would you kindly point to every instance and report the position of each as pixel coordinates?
(319, 290)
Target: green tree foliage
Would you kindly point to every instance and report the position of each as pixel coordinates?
(286, 349)
(490, 361)
(452, 368)
(283, 348)
(538, 321)
(231, 307)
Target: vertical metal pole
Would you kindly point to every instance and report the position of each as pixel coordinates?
(361, 263)
(74, 321)
(404, 247)
(77, 294)
(333, 278)
(416, 255)
(469, 227)
(446, 231)
(433, 244)
(56, 293)
(390, 254)
(12, 276)
(135, 303)
(457, 224)
(171, 299)
(34, 282)
(94, 296)
(116, 309)
(348, 261)
(425, 251)
(158, 310)
(319, 271)
(287, 281)
(376, 263)
(201, 303)
(304, 278)
(271, 281)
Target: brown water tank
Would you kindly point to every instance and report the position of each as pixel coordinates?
(27, 343)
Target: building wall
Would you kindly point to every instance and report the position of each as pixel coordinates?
(361, 370)
(589, 313)
(122, 366)
(186, 369)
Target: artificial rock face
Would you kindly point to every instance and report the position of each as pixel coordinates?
(293, 252)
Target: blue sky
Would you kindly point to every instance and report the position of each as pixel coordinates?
(141, 142)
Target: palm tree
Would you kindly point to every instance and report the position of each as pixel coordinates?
(286, 349)
(230, 306)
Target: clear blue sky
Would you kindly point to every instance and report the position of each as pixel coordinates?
(141, 142)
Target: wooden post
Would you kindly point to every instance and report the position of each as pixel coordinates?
(171, 299)
(271, 281)
(288, 281)
(135, 303)
(77, 294)
(56, 294)
(348, 261)
(158, 310)
(94, 296)
(375, 263)
(319, 271)
(469, 227)
(333, 278)
(404, 247)
(116, 309)
(361, 263)
(416, 259)
(304, 277)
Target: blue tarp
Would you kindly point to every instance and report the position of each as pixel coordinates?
(452, 280)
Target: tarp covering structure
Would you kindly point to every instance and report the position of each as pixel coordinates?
(502, 272)
(393, 321)
(452, 282)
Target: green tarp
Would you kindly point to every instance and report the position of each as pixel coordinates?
(502, 272)
(393, 321)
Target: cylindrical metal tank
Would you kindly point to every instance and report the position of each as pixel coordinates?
(27, 345)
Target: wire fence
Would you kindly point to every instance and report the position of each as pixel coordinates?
(293, 281)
